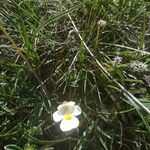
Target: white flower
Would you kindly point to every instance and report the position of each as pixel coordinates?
(138, 66)
(117, 60)
(66, 113)
(102, 23)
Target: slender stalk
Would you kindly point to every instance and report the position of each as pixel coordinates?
(126, 47)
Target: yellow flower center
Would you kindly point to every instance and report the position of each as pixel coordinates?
(68, 116)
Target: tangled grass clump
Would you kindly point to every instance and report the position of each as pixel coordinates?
(54, 51)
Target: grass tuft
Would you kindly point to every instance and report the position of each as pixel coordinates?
(95, 53)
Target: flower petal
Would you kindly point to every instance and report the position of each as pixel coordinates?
(77, 110)
(57, 117)
(70, 103)
(60, 106)
(67, 125)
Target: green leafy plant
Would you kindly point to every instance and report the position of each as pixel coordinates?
(82, 51)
